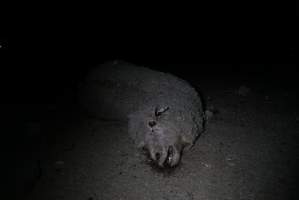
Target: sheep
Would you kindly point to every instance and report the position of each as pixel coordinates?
(164, 113)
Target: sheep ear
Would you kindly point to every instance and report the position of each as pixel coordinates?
(140, 145)
(188, 142)
(159, 111)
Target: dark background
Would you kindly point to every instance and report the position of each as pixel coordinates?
(42, 66)
(43, 61)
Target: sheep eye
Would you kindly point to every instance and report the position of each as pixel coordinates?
(158, 112)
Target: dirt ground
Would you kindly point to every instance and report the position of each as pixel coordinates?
(248, 151)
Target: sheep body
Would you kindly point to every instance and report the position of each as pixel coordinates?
(164, 113)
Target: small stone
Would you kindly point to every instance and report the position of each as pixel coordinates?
(243, 91)
(206, 165)
(230, 162)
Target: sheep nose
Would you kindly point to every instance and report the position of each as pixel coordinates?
(170, 155)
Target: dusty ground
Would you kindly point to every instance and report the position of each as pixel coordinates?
(248, 151)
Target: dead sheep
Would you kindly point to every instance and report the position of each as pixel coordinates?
(164, 113)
